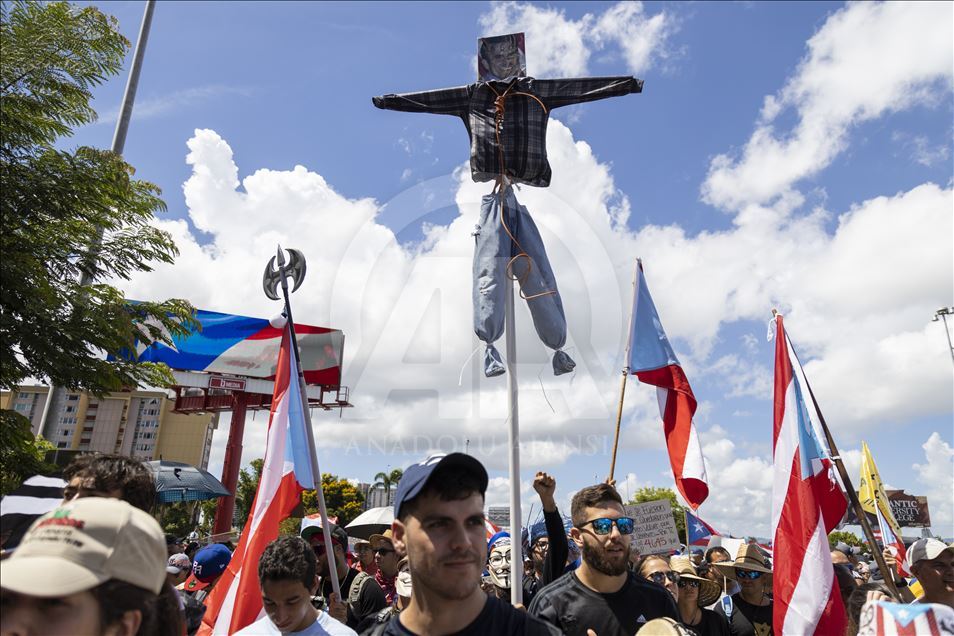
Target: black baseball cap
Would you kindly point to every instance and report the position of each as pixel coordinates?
(416, 476)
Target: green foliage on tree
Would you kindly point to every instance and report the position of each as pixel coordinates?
(847, 538)
(206, 516)
(245, 490)
(176, 517)
(648, 493)
(342, 499)
(388, 480)
(21, 454)
(68, 214)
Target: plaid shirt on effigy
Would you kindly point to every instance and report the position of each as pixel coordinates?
(524, 126)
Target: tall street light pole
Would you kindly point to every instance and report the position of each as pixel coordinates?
(49, 418)
(942, 314)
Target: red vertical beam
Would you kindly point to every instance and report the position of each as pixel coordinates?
(233, 460)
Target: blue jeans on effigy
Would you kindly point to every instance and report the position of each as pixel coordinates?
(494, 250)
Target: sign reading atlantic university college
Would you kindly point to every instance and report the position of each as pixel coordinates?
(910, 511)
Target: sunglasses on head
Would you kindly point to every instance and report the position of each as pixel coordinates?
(687, 583)
(659, 578)
(748, 574)
(604, 525)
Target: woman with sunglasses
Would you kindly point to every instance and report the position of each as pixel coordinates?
(655, 568)
(750, 611)
(695, 593)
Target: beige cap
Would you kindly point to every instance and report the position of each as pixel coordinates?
(84, 543)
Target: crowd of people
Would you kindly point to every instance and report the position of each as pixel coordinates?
(100, 564)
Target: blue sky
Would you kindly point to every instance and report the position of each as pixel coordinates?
(796, 155)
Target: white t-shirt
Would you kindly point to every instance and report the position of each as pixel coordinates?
(324, 626)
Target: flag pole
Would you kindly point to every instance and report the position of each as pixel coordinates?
(685, 518)
(516, 573)
(622, 386)
(284, 272)
(846, 482)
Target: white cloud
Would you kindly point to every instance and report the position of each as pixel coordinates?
(743, 378)
(406, 309)
(858, 300)
(860, 66)
(921, 149)
(937, 475)
(558, 46)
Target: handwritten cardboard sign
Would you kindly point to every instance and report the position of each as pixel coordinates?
(655, 531)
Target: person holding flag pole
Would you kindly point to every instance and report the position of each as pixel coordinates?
(290, 467)
(650, 357)
(875, 500)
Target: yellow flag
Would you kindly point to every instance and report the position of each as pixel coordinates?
(871, 491)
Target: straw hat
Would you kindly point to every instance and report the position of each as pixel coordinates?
(709, 591)
(749, 557)
(381, 540)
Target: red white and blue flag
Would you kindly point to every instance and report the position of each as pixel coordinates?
(893, 543)
(241, 345)
(807, 504)
(236, 600)
(699, 532)
(653, 361)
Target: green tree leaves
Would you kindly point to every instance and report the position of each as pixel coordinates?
(648, 493)
(66, 213)
(21, 455)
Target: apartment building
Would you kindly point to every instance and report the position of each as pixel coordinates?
(135, 423)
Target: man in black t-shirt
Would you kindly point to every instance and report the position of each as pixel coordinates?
(602, 594)
(363, 598)
(439, 524)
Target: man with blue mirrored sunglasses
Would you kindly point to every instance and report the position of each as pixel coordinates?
(602, 594)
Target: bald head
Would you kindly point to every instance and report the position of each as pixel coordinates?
(839, 558)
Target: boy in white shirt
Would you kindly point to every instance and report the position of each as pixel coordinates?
(288, 578)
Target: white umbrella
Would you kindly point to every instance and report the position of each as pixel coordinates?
(373, 521)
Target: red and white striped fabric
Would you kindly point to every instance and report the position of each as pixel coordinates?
(883, 618)
(490, 527)
(893, 542)
(653, 361)
(807, 504)
(236, 600)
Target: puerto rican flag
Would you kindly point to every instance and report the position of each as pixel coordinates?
(653, 361)
(245, 346)
(699, 532)
(893, 542)
(807, 504)
(236, 600)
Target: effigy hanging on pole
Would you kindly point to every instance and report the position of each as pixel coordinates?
(506, 113)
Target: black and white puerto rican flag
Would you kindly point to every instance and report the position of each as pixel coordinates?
(36, 496)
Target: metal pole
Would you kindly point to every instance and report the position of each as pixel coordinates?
(225, 509)
(316, 471)
(516, 519)
(626, 369)
(943, 313)
(132, 83)
(48, 421)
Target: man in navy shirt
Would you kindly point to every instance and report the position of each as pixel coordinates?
(439, 524)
